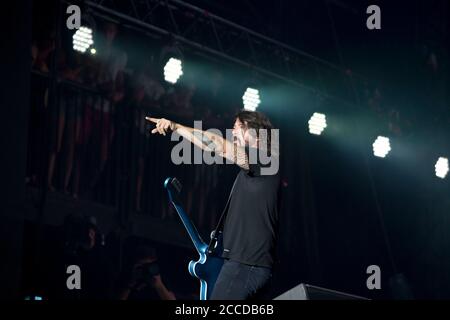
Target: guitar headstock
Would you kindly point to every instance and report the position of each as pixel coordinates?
(174, 186)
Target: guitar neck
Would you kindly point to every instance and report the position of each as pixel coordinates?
(197, 240)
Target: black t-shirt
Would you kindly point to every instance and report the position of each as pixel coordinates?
(249, 232)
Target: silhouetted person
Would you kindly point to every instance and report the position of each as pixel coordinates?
(143, 281)
(83, 247)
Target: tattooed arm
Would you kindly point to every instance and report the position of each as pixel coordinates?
(205, 140)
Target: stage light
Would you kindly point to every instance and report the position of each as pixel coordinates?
(251, 99)
(381, 147)
(317, 123)
(82, 39)
(173, 70)
(37, 298)
(93, 51)
(441, 167)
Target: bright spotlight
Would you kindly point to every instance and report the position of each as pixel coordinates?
(251, 99)
(317, 123)
(441, 167)
(82, 39)
(173, 70)
(93, 51)
(381, 147)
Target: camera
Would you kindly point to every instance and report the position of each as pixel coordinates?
(144, 273)
(150, 269)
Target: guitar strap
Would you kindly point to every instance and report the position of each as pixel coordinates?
(220, 224)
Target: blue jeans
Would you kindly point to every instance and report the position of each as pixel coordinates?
(239, 281)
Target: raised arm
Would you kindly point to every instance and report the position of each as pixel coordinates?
(205, 140)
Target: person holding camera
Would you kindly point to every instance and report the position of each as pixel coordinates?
(144, 281)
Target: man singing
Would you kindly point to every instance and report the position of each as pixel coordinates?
(250, 227)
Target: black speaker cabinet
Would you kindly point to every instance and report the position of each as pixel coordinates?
(308, 292)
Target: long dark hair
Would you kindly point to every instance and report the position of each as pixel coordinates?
(256, 120)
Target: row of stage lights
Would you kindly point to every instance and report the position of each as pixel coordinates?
(173, 70)
(381, 146)
(83, 39)
(317, 123)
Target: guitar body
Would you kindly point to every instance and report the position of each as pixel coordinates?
(208, 266)
(206, 269)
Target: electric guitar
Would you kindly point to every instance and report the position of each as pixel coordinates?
(209, 264)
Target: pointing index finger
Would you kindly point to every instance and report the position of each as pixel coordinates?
(154, 120)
